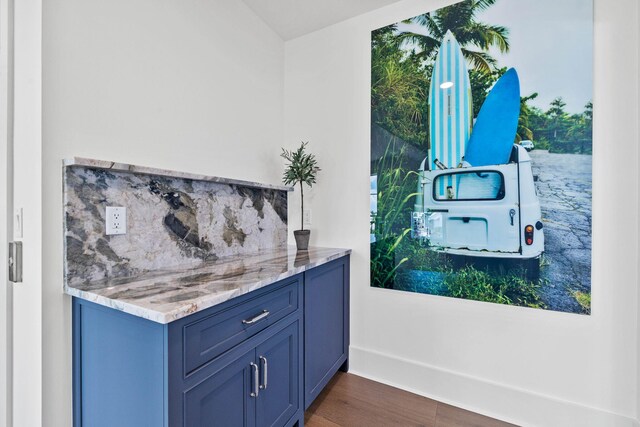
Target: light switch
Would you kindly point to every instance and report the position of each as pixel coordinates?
(18, 223)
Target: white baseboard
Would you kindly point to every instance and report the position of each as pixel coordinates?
(495, 400)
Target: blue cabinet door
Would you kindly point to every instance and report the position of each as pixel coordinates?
(326, 325)
(224, 398)
(279, 377)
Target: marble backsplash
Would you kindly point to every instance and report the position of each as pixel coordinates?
(172, 220)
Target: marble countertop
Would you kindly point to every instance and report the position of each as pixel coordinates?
(165, 296)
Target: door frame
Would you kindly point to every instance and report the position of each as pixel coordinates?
(6, 202)
(21, 175)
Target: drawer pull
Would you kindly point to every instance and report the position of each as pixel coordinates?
(265, 375)
(256, 381)
(257, 318)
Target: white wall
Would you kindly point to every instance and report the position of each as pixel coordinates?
(185, 85)
(532, 367)
(638, 313)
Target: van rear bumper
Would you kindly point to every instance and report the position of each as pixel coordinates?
(487, 254)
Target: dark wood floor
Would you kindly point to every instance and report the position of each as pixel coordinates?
(350, 400)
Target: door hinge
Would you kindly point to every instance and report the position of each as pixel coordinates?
(15, 262)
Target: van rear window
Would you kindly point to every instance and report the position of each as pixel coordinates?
(476, 185)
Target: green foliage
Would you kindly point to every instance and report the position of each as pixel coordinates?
(524, 131)
(558, 121)
(542, 144)
(536, 120)
(510, 288)
(302, 168)
(584, 299)
(559, 131)
(420, 257)
(389, 223)
(396, 191)
(580, 131)
(399, 87)
(461, 20)
(384, 263)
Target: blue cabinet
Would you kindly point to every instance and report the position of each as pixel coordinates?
(224, 398)
(241, 363)
(118, 368)
(279, 381)
(326, 325)
(263, 330)
(259, 388)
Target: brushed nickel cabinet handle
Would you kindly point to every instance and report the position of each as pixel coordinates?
(255, 391)
(265, 374)
(257, 318)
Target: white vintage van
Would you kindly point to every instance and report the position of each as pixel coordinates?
(488, 211)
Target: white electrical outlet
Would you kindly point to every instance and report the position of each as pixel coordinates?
(307, 217)
(116, 220)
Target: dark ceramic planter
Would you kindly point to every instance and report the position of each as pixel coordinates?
(302, 239)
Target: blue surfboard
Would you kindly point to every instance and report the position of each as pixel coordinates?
(495, 129)
(450, 106)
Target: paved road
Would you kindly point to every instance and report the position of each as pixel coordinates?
(564, 189)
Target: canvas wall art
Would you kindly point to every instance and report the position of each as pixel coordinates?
(481, 145)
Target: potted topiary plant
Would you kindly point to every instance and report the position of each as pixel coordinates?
(301, 168)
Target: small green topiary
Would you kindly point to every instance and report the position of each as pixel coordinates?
(301, 169)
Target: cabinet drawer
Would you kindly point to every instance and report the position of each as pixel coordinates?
(211, 336)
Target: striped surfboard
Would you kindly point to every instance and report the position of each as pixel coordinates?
(450, 107)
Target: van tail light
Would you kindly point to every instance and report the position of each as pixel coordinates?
(528, 235)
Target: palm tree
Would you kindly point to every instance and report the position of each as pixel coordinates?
(460, 18)
(558, 117)
(581, 130)
(524, 128)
